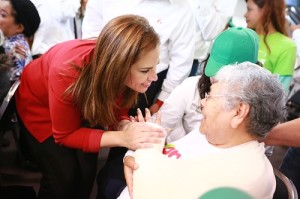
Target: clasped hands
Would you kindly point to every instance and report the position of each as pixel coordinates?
(129, 161)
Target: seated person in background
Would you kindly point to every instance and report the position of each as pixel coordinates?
(57, 16)
(181, 113)
(5, 66)
(245, 102)
(5, 83)
(19, 21)
(277, 52)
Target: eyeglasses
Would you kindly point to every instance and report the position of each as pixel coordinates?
(207, 96)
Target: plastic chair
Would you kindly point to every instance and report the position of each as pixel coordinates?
(8, 97)
(8, 120)
(291, 190)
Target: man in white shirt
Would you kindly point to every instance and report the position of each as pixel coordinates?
(212, 18)
(57, 18)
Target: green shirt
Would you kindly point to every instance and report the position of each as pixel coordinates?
(282, 57)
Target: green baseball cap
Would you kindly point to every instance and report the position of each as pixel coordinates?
(234, 45)
(226, 193)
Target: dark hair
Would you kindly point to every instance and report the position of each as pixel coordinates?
(25, 13)
(274, 14)
(204, 82)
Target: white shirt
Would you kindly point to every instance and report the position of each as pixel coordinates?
(56, 23)
(212, 17)
(296, 38)
(174, 22)
(200, 168)
(181, 110)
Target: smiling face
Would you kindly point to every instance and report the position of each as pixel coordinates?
(216, 121)
(143, 72)
(253, 15)
(7, 20)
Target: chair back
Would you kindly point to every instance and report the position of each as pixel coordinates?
(288, 184)
(8, 98)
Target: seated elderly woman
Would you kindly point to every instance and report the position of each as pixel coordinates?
(245, 102)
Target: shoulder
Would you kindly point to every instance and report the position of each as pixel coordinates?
(188, 87)
(72, 45)
(190, 81)
(278, 37)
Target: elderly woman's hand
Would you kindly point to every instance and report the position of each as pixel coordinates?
(129, 161)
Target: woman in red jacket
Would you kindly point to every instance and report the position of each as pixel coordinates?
(79, 87)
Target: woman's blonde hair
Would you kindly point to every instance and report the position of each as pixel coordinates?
(123, 41)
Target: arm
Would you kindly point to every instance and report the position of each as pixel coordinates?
(285, 134)
(20, 53)
(213, 16)
(179, 105)
(129, 161)
(68, 9)
(67, 124)
(181, 47)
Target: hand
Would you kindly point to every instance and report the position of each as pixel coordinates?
(129, 161)
(141, 135)
(20, 51)
(129, 167)
(148, 117)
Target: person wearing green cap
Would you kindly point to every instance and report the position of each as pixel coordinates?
(180, 111)
(225, 193)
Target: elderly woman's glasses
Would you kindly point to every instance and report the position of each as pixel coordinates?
(208, 96)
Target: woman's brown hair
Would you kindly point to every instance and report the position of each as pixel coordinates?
(273, 13)
(121, 43)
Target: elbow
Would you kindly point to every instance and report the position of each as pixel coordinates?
(58, 138)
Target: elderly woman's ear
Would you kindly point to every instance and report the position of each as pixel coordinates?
(241, 112)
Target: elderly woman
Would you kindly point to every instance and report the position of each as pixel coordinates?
(245, 102)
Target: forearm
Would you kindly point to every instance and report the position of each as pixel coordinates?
(285, 134)
(122, 125)
(213, 16)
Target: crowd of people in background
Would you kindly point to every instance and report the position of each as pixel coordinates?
(101, 64)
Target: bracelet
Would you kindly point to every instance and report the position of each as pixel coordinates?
(159, 102)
